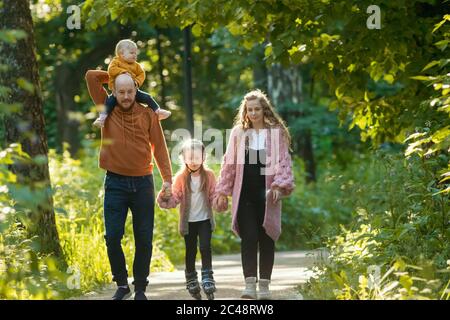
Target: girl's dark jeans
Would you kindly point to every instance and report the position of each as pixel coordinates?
(198, 230)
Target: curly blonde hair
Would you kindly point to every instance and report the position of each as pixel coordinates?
(125, 44)
(271, 118)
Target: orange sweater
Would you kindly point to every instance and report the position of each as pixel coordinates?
(118, 66)
(129, 138)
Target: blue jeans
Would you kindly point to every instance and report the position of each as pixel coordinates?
(135, 193)
(141, 97)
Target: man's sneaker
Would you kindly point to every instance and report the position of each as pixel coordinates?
(140, 295)
(122, 293)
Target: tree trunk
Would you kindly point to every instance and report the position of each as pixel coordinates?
(67, 85)
(188, 79)
(260, 76)
(161, 68)
(285, 91)
(27, 127)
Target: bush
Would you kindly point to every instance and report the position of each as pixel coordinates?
(24, 272)
(400, 228)
(314, 211)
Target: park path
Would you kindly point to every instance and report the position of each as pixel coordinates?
(289, 271)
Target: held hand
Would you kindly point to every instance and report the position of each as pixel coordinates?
(167, 189)
(222, 200)
(276, 195)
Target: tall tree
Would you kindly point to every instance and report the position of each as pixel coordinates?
(188, 79)
(161, 68)
(27, 126)
(285, 87)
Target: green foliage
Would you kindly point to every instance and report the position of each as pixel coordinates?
(332, 36)
(375, 209)
(315, 210)
(359, 271)
(328, 136)
(24, 272)
(397, 217)
(401, 219)
(432, 141)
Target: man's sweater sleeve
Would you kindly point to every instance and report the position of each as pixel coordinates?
(159, 148)
(95, 80)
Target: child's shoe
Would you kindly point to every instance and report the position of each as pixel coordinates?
(100, 121)
(208, 283)
(192, 285)
(163, 114)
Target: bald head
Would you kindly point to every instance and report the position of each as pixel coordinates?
(125, 90)
(124, 80)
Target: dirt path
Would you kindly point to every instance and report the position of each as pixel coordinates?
(289, 271)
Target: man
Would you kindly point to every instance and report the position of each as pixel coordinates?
(132, 135)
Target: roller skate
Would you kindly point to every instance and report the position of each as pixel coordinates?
(192, 285)
(208, 283)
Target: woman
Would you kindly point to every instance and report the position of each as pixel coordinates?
(256, 171)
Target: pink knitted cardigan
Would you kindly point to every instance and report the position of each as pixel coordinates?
(278, 174)
(180, 196)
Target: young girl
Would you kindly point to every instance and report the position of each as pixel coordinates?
(256, 171)
(193, 188)
(125, 62)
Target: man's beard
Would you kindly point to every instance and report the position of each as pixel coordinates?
(126, 109)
